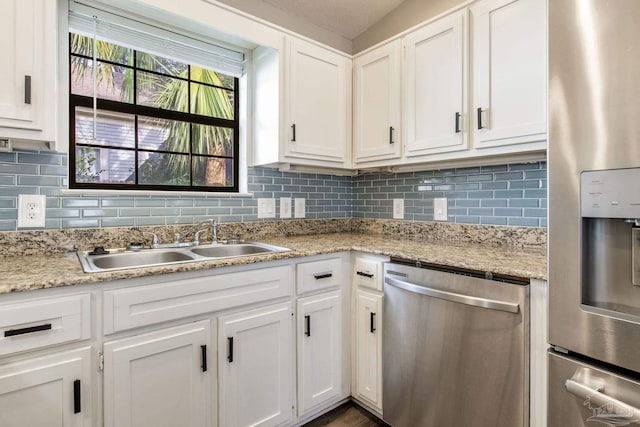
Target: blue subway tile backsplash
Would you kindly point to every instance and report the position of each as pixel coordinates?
(514, 194)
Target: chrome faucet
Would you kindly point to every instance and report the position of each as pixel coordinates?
(196, 237)
(214, 231)
(177, 237)
(155, 242)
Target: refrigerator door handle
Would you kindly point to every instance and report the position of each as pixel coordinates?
(597, 398)
(454, 297)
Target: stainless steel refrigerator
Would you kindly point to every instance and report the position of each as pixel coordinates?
(594, 213)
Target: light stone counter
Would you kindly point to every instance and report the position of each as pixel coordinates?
(22, 273)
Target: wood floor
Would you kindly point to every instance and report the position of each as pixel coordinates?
(347, 415)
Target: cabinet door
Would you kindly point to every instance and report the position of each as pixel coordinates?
(368, 324)
(318, 103)
(319, 350)
(159, 379)
(377, 104)
(510, 71)
(436, 86)
(255, 367)
(49, 391)
(27, 74)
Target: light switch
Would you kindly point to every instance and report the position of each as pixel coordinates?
(440, 209)
(267, 208)
(300, 207)
(398, 208)
(285, 207)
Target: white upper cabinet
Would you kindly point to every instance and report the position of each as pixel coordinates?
(435, 89)
(318, 104)
(28, 71)
(377, 104)
(509, 72)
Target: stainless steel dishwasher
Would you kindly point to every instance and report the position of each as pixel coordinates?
(455, 348)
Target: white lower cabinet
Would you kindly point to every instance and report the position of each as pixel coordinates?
(54, 390)
(368, 348)
(255, 367)
(319, 350)
(204, 365)
(159, 378)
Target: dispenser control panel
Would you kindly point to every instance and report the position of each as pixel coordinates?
(612, 193)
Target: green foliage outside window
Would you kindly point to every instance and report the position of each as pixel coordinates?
(190, 142)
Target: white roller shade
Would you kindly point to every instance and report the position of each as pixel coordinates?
(153, 39)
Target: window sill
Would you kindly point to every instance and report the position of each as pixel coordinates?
(137, 193)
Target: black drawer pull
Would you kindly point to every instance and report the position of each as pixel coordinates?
(323, 276)
(27, 89)
(457, 122)
(363, 274)
(372, 320)
(29, 330)
(76, 397)
(203, 349)
(391, 141)
(293, 133)
(230, 355)
(479, 111)
(307, 320)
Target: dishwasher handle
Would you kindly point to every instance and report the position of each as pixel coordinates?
(599, 399)
(454, 297)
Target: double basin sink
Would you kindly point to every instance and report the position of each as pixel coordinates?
(120, 259)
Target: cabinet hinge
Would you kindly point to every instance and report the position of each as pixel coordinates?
(100, 362)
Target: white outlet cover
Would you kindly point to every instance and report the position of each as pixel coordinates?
(285, 207)
(440, 209)
(398, 208)
(267, 208)
(300, 209)
(31, 211)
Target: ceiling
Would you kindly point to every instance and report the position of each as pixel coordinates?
(347, 18)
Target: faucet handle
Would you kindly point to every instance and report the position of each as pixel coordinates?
(196, 238)
(154, 240)
(177, 238)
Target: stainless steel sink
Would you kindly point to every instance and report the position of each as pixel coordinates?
(224, 251)
(121, 259)
(135, 259)
(128, 259)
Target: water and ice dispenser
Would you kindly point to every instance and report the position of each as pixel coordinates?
(610, 241)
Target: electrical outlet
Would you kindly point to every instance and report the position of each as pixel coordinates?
(300, 207)
(398, 208)
(267, 208)
(31, 211)
(440, 209)
(285, 207)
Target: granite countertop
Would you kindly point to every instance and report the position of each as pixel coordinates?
(22, 273)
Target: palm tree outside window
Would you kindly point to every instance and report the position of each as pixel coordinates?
(160, 124)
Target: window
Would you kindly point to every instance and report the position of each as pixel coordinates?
(145, 121)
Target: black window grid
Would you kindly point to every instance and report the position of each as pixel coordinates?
(141, 110)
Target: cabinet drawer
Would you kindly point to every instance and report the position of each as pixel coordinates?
(41, 323)
(133, 307)
(367, 271)
(317, 275)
